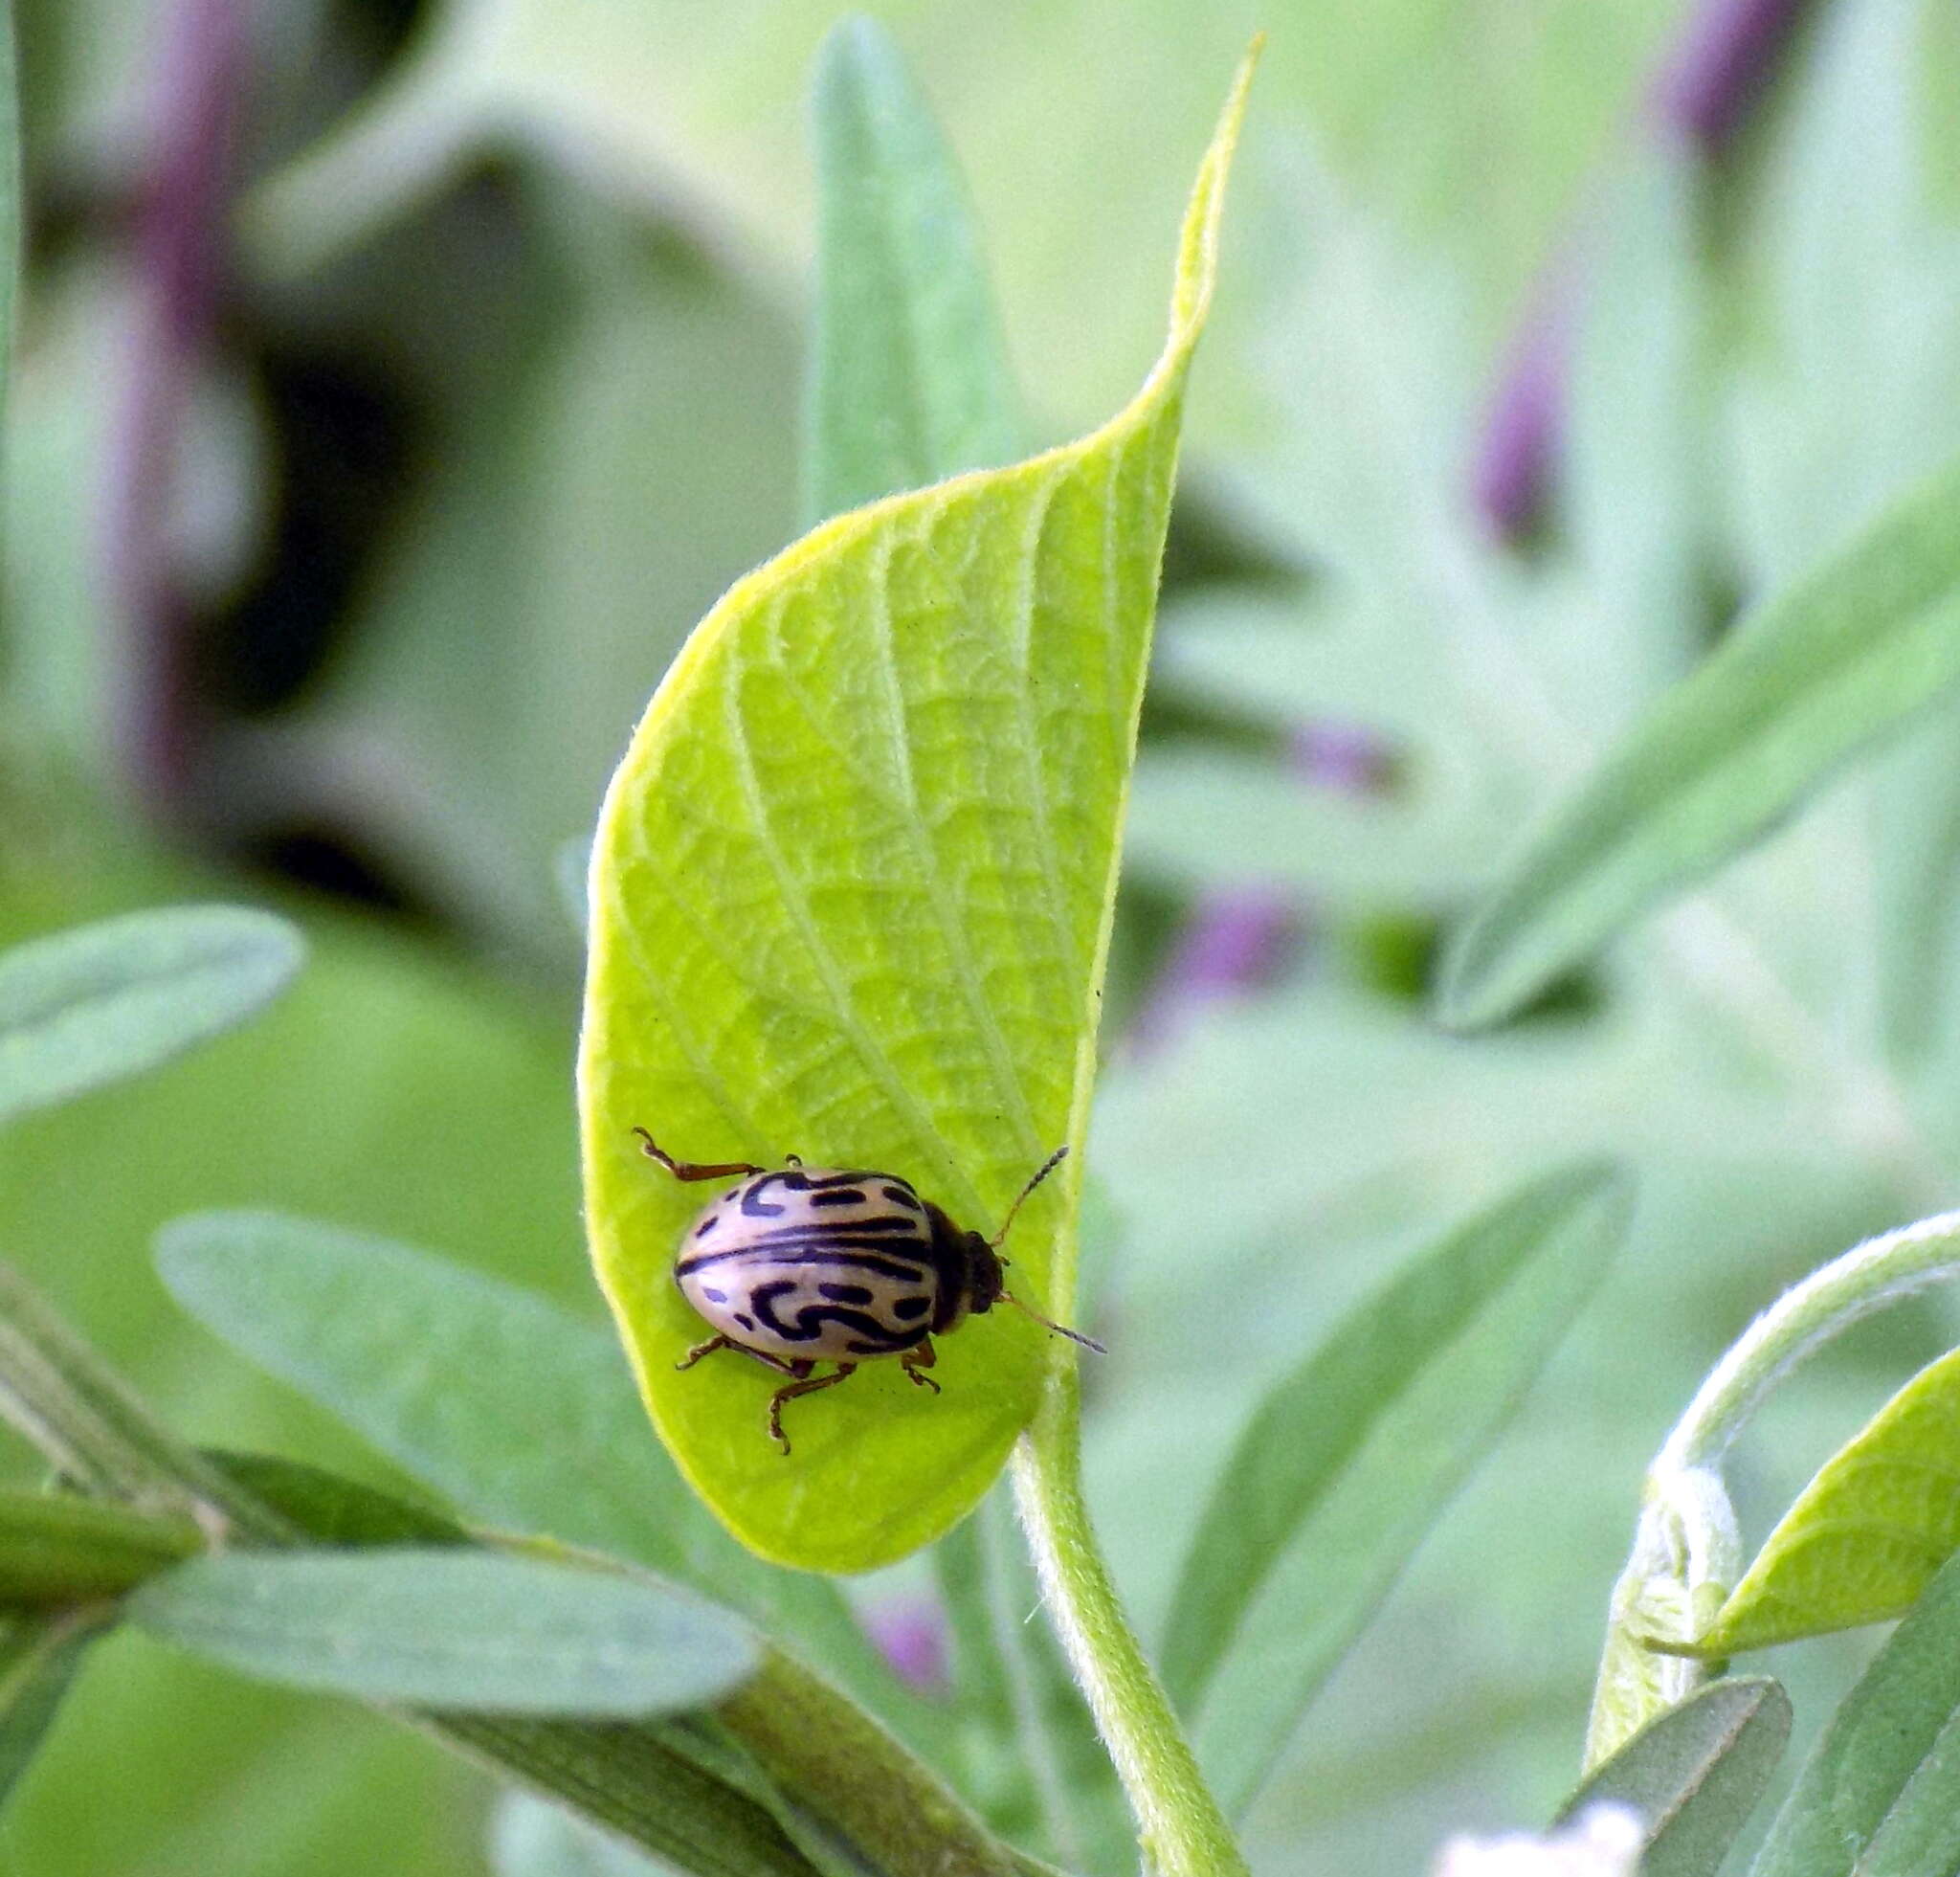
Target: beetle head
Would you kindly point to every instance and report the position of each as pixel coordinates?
(985, 1280)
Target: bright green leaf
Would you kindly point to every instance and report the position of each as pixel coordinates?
(851, 899)
(909, 380)
(511, 1408)
(1695, 1774)
(1864, 1538)
(1349, 1460)
(108, 1001)
(1847, 654)
(1879, 1795)
(450, 1629)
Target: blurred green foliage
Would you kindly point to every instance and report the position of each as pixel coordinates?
(497, 389)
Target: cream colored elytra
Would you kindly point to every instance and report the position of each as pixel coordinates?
(799, 1265)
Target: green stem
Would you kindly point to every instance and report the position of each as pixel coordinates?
(1867, 1278)
(62, 1398)
(1184, 1832)
(59, 1548)
(839, 1763)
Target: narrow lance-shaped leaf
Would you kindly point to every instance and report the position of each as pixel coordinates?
(1695, 1774)
(1823, 670)
(1864, 1539)
(851, 899)
(515, 1412)
(1349, 1460)
(909, 380)
(651, 1780)
(680, 1785)
(39, 1652)
(58, 1393)
(1879, 1795)
(84, 1008)
(10, 194)
(529, 1838)
(446, 1628)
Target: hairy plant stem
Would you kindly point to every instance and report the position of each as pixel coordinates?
(1182, 1830)
(1687, 1553)
(1881, 1271)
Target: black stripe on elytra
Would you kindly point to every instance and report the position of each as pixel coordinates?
(868, 1335)
(789, 1246)
(842, 1195)
(826, 1257)
(792, 1179)
(887, 1226)
(849, 1293)
(903, 1195)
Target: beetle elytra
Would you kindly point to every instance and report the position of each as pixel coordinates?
(797, 1266)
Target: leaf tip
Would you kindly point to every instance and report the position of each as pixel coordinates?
(1198, 259)
(1471, 992)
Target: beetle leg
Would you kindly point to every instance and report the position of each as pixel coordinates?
(808, 1386)
(795, 1370)
(917, 1359)
(690, 1170)
(701, 1349)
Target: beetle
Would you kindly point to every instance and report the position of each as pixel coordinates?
(799, 1265)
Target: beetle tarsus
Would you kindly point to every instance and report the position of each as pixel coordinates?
(845, 1370)
(692, 1170)
(917, 1360)
(701, 1349)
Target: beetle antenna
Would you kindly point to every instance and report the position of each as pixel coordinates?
(1042, 1172)
(1073, 1335)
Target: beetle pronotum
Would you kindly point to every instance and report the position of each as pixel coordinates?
(799, 1265)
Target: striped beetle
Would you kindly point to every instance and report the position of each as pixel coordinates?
(801, 1264)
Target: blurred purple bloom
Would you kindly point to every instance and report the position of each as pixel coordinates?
(910, 1634)
(1518, 446)
(1349, 758)
(1720, 65)
(1704, 88)
(1233, 940)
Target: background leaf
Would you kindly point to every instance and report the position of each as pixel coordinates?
(530, 1837)
(1850, 651)
(909, 380)
(447, 1629)
(39, 1654)
(1351, 1457)
(851, 899)
(1866, 1534)
(1695, 1774)
(515, 1411)
(1878, 1795)
(96, 1006)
